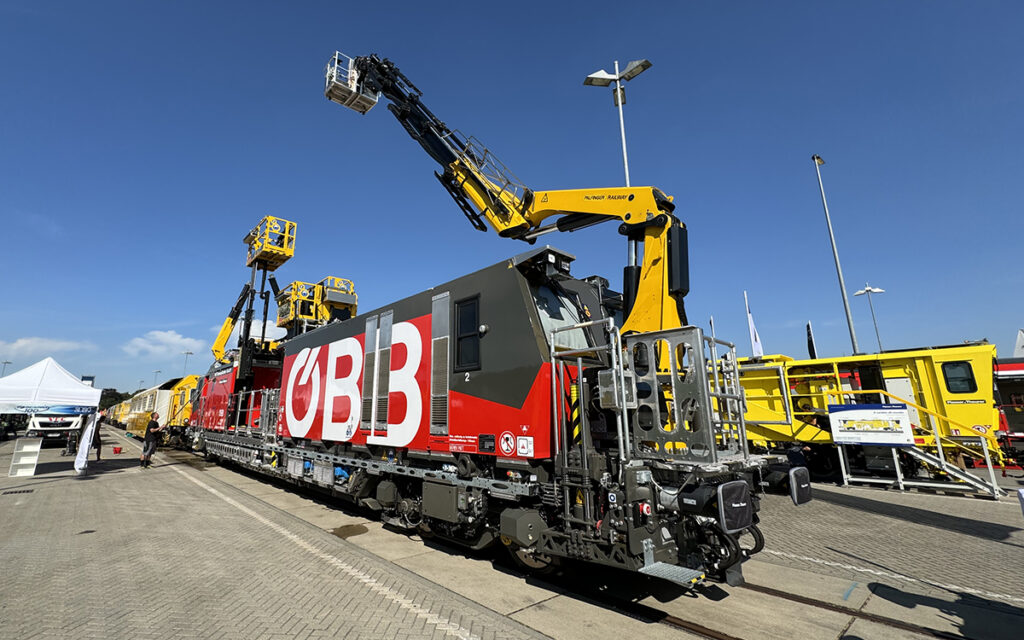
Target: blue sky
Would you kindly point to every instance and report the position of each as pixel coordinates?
(140, 140)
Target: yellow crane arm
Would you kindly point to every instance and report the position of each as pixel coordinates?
(229, 324)
(654, 289)
(490, 195)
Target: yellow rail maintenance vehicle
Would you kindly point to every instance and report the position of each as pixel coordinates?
(169, 399)
(117, 414)
(179, 410)
(180, 406)
(947, 392)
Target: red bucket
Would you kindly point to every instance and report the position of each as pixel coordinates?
(117, 450)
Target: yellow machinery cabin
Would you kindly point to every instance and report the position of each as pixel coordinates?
(180, 407)
(948, 392)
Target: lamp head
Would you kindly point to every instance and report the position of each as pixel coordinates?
(599, 79)
(635, 68)
(868, 289)
(817, 160)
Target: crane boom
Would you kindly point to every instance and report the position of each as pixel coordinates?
(229, 324)
(489, 194)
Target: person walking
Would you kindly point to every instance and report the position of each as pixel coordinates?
(153, 430)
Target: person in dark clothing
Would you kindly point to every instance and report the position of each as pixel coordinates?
(797, 455)
(96, 440)
(153, 430)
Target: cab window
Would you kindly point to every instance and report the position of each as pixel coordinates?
(557, 311)
(959, 377)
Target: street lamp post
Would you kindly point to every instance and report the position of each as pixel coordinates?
(184, 369)
(835, 253)
(142, 381)
(5, 363)
(868, 289)
(156, 372)
(603, 79)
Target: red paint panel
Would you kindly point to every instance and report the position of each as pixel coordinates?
(469, 417)
(217, 395)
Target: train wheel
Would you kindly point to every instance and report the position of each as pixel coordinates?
(529, 559)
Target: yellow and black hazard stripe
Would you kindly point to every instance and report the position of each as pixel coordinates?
(574, 412)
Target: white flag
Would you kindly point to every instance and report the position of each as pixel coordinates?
(1018, 349)
(82, 459)
(756, 350)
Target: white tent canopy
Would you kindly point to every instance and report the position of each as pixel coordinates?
(47, 387)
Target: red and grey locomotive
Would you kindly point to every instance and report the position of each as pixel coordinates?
(504, 407)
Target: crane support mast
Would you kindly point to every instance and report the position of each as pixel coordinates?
(490, 195)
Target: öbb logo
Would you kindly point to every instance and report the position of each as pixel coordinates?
(324, 386)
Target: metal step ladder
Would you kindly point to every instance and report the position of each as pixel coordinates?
(954, 472)
(683, 576)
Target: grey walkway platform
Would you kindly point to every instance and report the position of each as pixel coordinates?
(171, 552)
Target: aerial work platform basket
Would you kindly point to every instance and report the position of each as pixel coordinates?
(342, 85)
(312, 305)
(296, 304)
(271, 243)
(336, 299)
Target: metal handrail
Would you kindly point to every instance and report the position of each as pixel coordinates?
(786, 397)
(614, 348)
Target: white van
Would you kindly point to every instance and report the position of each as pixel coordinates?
(53, 427)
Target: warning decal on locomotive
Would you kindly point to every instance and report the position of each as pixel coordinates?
(507, 443)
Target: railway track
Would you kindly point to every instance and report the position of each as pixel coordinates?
(705, 628)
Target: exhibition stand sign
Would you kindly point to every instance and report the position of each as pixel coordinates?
(879, 424)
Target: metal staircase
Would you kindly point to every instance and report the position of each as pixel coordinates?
(952, 471)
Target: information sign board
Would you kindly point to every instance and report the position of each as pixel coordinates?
(883, 424)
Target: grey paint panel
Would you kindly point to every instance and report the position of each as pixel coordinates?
(512, 350)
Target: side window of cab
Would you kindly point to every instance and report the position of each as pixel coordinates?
(959, 377)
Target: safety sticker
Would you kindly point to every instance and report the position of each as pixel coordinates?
(507, 443)
(524, 446)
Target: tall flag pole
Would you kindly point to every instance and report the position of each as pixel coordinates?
(756, 350)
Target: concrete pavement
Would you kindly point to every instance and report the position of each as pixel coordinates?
(170, 552)
(945, 563)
